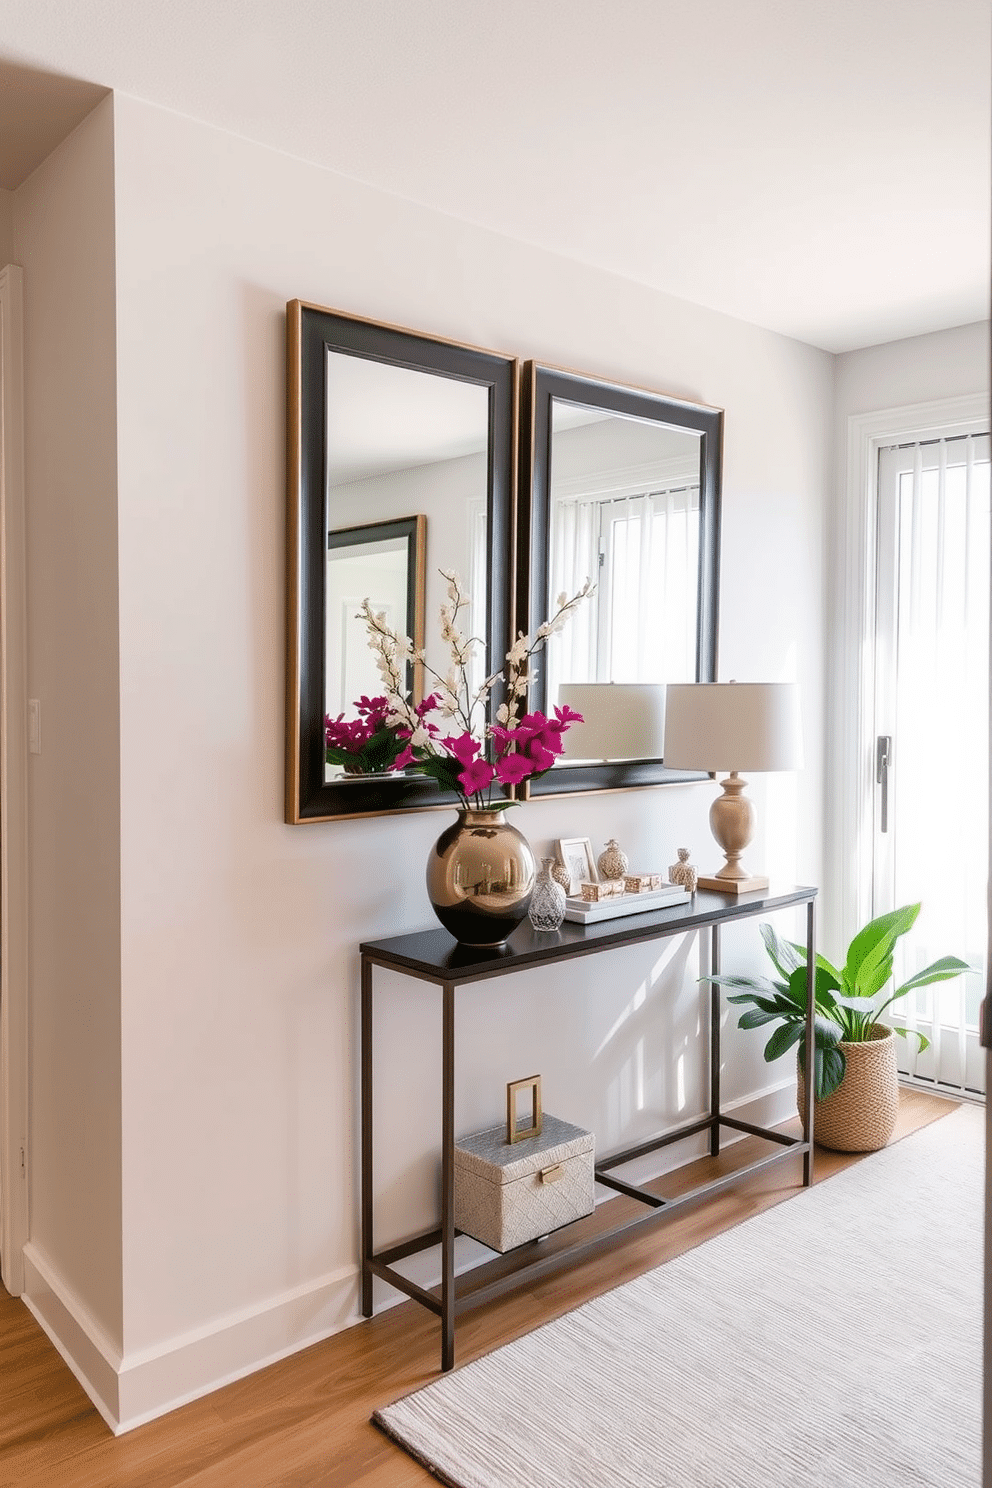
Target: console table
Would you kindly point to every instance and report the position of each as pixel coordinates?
(434, 956)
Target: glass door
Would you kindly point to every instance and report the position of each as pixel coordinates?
(931, 808)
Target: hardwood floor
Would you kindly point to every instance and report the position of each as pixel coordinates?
(305, 1420)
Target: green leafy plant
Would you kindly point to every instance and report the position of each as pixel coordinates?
(848, 1002)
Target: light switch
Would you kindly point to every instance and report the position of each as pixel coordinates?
(34, 725)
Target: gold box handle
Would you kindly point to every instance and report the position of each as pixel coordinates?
(551, 1175)
(514, 1133)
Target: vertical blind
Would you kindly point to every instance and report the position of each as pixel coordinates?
(939, 809)
(642, 551)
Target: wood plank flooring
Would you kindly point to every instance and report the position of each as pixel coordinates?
(305, 1421)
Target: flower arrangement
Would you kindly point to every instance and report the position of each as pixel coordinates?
(446, 736)
(365, 745)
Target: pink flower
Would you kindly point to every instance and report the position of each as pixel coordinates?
(404, 758)
(512, 768)
(464, 748)
(566, 715)
(476, 776)
(540, 756)
(375, 709)
(348, 734)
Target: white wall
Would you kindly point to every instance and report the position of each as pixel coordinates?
(945, 364)
(6, 227)
(238, 1026)
(64, 238)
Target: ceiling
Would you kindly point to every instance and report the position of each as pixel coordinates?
(820, 167)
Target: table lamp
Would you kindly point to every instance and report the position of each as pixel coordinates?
(621, 720)
(733, 726)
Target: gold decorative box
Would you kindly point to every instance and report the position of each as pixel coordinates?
(643, 883)
(507, 1193)
(608, 888)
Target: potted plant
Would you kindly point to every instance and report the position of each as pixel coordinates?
(855, 1082)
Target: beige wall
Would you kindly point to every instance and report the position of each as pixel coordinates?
(6, 227)
(64, 238)
(239, 934)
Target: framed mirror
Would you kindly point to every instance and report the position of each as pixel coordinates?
(625, 488)
(384, 562)
(401, 463)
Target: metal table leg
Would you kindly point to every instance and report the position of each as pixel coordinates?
(448, 1178)
(810, 1041)
(367, 1243)
(714, 1043)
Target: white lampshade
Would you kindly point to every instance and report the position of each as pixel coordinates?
(739, 726)
(622, 720)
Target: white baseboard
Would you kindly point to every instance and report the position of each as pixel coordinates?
(135, 1388)
(78, 1337)
(154, 1381)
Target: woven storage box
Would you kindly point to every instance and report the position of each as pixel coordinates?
(508, 1193)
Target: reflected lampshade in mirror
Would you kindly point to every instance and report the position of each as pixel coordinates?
(621, 720)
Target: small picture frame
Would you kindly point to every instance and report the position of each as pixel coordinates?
(576, 854)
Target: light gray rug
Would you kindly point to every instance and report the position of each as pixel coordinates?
(831, 1342)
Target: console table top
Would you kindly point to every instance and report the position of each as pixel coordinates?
(435, 955)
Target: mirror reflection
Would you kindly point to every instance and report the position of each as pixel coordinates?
(398, 440)
(381, 562)
(624, 509)
(625, 488)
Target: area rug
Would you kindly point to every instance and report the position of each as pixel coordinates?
(833, 1341)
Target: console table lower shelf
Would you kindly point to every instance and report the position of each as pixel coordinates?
(434, 956)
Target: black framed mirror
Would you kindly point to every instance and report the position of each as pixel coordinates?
(624, 487)
(384, 561)
(385, 422)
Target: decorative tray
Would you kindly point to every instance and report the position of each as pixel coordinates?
(584, 912)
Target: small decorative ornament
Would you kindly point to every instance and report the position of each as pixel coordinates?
(641, 883)
(547, 905)
(561, 873)
(613, 862)
(514, 1131)
(607, 888)
(683, 871)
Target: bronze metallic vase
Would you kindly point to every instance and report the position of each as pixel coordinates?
(480, 876)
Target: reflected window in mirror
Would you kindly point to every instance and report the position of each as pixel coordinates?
(401, 463)
(625, 510)
(625, 488)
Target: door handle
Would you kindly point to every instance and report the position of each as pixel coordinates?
(883, 759)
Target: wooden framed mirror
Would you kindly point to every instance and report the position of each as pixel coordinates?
(401, 461)
(624, 487)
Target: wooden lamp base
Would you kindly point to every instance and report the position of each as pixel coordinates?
(732, 819)
(733, 885)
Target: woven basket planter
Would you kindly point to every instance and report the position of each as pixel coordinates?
(859, 1116)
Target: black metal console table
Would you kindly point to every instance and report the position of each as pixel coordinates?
(434, 956)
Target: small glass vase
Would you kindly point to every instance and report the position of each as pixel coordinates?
(547, 905)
